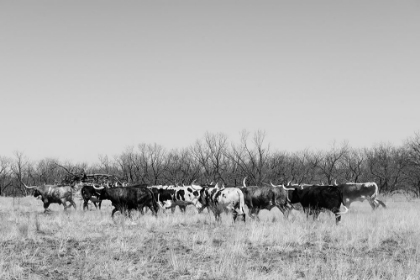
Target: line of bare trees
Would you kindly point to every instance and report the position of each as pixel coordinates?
(215, 159)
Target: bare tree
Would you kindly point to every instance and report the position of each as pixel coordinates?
(278, 167)
(5, 175)
(127, 163)
(354, 166)
(252, 160)
(332, 162)
(387, 166)
(19, 167)
(156, 160)
(181, 167)
(46, 171)
(211, 155)
(412, 173)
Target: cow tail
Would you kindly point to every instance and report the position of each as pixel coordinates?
(154, 202)
(376, 193)
(342, 196)
(241, 202)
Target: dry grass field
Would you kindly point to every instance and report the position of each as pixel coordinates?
(90, 245)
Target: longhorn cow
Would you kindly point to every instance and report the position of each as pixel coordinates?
(125, 199)
(223, 200)
(316, 198)
(361, 191)
(54, 194)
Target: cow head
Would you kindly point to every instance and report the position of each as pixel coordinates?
(193, 195)
(100, 191)
(204, 197)
(37, 193)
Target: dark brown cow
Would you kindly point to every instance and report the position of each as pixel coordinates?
(316, 198)
(125, 199)
(258, 198)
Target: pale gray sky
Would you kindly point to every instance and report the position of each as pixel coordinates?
(83, 78)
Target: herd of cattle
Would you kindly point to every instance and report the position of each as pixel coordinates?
(313, 198)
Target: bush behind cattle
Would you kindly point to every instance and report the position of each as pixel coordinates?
(381, 244)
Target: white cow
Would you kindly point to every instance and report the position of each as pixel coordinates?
(223, 200)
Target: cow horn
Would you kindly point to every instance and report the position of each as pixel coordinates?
(243, 182)
(33, 187)
(341, 213)
(273, 184)
(288, 189)
(192, 183)
(335, 182)
(100, 188)
(288, 183)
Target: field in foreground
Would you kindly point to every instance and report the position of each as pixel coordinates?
(90, 245)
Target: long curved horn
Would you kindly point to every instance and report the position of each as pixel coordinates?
(341, 213)
(33, 187)
(335, 182)
(273, 185)
(192, 183)
(288, 189)
(243, 182)
(100, 188)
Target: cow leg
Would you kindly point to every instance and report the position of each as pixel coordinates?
(65, 204)
(100, 203)
(381, 203)
(337, 218)
(235, 215)
(287, 209)
(182, 208)
(257, 212)
(253, 213)
(72, 203)
(217, 215)
(94, 203)
(113, 212)
(46, 204)
(202, 208)
(306, 210)
(153, 210)
(372, 204)
(85, 204)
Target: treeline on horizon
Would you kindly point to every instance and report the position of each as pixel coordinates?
(215, 159)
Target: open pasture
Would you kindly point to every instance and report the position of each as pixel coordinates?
(383, 244)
